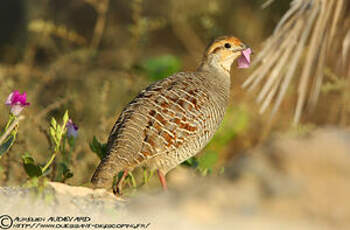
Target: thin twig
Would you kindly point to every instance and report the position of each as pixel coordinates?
(267, 3)
(101, 9)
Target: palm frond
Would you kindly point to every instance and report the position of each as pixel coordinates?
(303, 40)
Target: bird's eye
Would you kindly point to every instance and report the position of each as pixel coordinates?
(227, 45)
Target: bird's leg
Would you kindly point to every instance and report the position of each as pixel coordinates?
(162, 180)
(118, 187)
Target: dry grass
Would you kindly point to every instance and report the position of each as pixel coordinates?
(310, 37)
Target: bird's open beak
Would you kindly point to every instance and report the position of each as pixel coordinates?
(244, 60)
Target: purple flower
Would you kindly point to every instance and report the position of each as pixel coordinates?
(17, 102)
(72, 129)
(244, 60)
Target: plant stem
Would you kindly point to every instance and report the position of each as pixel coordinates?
(49, 162)
(12, 118)
(133, 181)
(10, 127)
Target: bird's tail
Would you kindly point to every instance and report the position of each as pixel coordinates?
(104, 175)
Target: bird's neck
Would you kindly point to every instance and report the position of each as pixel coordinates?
(218, 74)
(217, 79)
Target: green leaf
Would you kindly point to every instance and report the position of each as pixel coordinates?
(7, 144)
(59, 132)
(162, 66)
(98, 148)
(32, 169)
(27, 159)
(103, 150)
(192, 162)
(95, 142)
(92, 147)
(53, 123)
(67, 174)
(53, 134)
(64, 172)
(65, 117)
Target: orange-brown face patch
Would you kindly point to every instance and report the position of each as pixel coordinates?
(219, 43)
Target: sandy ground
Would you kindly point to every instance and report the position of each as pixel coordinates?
(300, 182)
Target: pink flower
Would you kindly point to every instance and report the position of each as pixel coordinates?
(244, 60)
(72, 129)
(17, 102)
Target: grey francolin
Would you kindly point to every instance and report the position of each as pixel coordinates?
(174, 118)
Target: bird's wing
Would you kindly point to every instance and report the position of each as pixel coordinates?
(158, 120)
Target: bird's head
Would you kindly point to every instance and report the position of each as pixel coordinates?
(223, 51)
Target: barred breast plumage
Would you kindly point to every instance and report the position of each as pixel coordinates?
(168, 122)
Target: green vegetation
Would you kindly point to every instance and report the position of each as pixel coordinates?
(160, 67)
